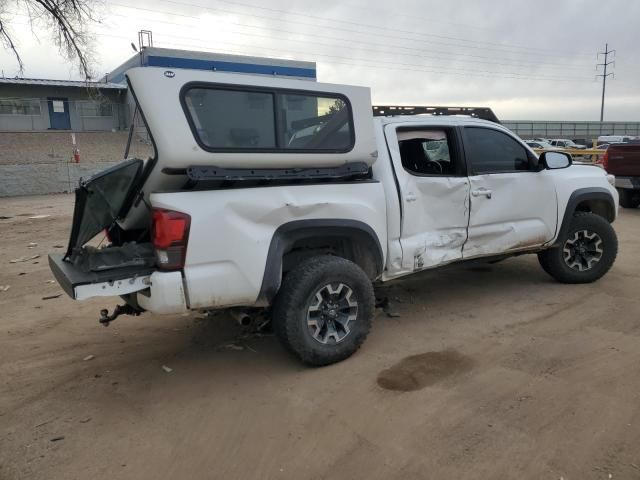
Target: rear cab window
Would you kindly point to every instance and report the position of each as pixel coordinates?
(228, 118)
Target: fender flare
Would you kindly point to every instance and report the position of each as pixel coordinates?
(287, 234)
(579, 196)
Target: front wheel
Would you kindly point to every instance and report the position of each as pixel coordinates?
(323, 310)
(586, 252)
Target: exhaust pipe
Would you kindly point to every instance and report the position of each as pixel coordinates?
(243, 318)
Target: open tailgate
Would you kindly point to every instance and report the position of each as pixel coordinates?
(80, 285)
(85, 271)
(102, 200)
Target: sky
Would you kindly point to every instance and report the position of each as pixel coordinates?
(527, 60)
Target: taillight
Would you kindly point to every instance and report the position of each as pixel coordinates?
(605, 160)
(170, 232)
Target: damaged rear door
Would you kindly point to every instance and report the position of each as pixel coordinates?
(434, 194)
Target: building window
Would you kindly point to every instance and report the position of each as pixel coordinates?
(19, 106)
(94, 109)
(58, 106)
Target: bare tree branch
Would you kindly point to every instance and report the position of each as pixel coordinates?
(68, 22)
(7, 42)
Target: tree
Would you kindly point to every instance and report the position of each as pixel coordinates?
(67, 22)
(337, 106)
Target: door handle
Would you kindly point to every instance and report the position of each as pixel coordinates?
(482, 191)
(410, 197)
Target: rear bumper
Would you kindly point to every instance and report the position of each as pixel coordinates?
(165, 294)
(157, 292)
(80, 285)
(631, 183)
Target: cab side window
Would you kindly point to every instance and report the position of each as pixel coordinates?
(492, 151)
(427, 152)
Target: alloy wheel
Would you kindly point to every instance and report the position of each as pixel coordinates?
(331, 311)
(582, 251)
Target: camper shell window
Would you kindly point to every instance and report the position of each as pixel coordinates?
(225, 118)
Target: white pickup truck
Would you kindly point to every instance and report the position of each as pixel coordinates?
(298, 196)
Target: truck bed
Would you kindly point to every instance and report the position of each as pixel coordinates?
(624, 160)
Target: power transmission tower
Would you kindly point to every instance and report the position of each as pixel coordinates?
(604, 74)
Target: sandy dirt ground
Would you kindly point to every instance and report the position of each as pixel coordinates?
(502, 373)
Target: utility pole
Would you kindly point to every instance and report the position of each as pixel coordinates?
(604, 74)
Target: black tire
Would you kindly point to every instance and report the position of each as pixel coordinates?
(589, 265)
(296, 305)
(629, 198)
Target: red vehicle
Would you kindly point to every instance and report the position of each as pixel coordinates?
(623, 161)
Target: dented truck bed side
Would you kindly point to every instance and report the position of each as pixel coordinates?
(229, 239)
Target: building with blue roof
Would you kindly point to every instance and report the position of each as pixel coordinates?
(58, 105)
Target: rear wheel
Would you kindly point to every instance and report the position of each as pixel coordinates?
(323, 310)
(629, 198)
(586, 252)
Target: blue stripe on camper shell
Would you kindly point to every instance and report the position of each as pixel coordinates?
(190, 63)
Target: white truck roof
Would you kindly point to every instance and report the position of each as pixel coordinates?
(443, 120)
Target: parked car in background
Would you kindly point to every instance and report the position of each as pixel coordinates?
(566, 143)
(539, 144)
(623, 161)
(614, 139)
(587, 142)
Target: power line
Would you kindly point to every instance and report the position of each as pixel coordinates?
(377, 64)
(375, 51)
(396, 66)
(398, 13)
(604, 74)
(564, 66)
(315, 25)
(365, 25)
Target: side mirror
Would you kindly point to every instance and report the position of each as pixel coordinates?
(555, 160)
